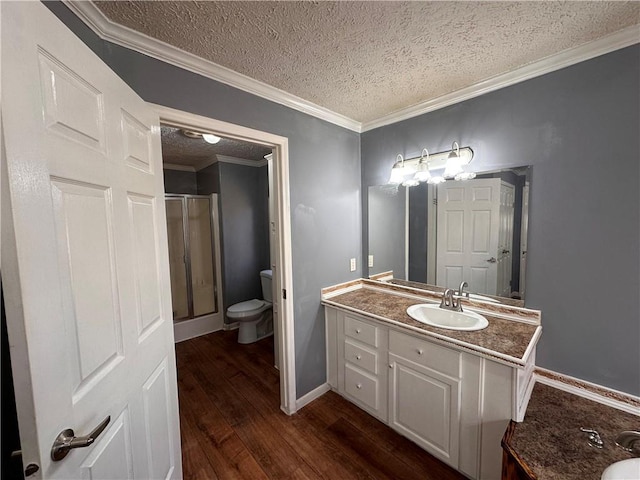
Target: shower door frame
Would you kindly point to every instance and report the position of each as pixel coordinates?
(215, 255)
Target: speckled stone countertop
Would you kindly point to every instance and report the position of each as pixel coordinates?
(506, 339)
(549, 440)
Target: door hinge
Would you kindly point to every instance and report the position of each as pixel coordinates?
(284, 294)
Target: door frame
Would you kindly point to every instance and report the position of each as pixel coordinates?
(284, 273)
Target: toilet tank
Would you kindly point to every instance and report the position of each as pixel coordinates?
(265, 280)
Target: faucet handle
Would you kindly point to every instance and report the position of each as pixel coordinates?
(594, 437)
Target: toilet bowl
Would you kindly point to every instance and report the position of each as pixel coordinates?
(254, 317)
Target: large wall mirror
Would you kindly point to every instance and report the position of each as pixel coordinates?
(441, 235)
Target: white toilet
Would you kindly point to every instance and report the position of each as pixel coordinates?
(255, 317)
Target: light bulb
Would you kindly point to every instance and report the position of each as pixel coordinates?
(210, 138)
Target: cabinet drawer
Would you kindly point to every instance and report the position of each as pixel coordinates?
(361, 331)
(361, 387)
(361, 357)
(430, 355)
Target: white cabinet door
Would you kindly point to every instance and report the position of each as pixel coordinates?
(84, 257)
(424, 406)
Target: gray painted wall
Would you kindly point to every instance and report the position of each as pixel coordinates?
(418, 197)
(387, 207)
(324, 171)
(177, 181)
(244, 214)
(578, 127)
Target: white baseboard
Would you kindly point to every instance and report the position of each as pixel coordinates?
(230, 326)
(195, 327)
(312, 395)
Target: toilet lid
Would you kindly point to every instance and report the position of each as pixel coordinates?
(246, 306)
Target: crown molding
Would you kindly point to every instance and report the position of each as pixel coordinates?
(621, 39)
(180, 168)
(242, 161)
(133, 40)
(139, 42)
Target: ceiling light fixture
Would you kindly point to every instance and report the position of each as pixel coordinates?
(210, 138)
(207, 137)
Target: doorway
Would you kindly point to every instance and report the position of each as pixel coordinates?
(279, 234)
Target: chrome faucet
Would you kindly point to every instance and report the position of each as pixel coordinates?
(448, 302)
(629, 441)
(461, 292)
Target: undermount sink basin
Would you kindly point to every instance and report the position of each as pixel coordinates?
(624, 470)
(432, 314)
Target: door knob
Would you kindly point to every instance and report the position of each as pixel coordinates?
(67, 440)
(492, 260)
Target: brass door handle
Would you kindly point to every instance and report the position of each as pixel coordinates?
(67, 440)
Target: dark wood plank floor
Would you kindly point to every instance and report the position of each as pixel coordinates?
(232, 426)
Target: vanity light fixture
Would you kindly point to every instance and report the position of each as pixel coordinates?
(423, 174)
(453, 167)
(402, 172)
(412, 171)
(207, 137)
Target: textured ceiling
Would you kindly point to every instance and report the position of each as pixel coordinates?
(369, 59)
(178, 149)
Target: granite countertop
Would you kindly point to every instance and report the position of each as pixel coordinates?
(549, 441)
(508, 339)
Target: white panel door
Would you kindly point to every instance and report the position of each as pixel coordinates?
(505, 239)
(468, 228)
(84, 258)
(524, 232)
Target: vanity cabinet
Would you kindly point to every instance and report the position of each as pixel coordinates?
(424, 400)
(448, 400)
(362, 374)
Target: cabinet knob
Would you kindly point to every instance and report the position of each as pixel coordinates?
(420, 351)
(391, 365)
(358, 357)
(357, 330)
(359, 386)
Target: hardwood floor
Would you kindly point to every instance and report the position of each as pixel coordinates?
(232, 426)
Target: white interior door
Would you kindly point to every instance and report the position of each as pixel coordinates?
(468, 228)
(84, 258)
(524, 232)
(505, 239)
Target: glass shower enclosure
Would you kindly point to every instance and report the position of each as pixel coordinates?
(193, 261)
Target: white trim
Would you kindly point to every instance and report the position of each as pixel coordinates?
(242, 161)
(181, 168)
(139, 42)
(588, 394)
(128, 38)
(312, 395)
(283, 280)
(195, 327)
(231, 326)
(621, 39)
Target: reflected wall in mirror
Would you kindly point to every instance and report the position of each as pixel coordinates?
(473, 231)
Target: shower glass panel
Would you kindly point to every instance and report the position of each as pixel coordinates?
(177, 256)
(200, 242)
(191, 259)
